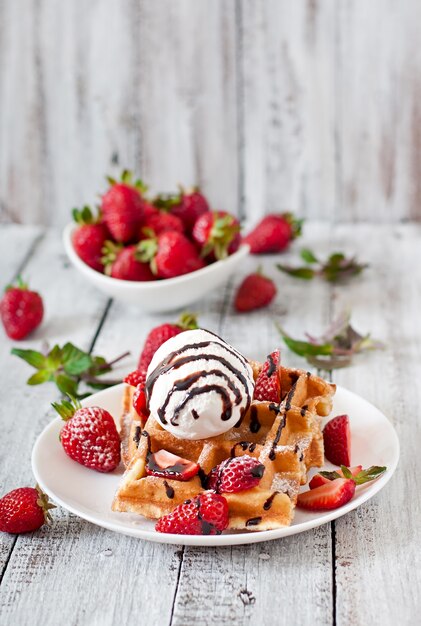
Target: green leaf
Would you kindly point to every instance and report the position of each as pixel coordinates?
(306, 273)
(54, 358)
(66, 384)
(36, 359)
(330, 475)
(346, 471)
(97, 367)
(336, 259)
(369, 474)
(308, 256)
(42, 376)
(65, 408)
(75, 361)
(304, 348)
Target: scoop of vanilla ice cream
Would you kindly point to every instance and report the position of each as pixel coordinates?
(198, 386)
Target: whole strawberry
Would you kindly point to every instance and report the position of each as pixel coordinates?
(206, 514)
(170, 254)
(268, 385)
(255, 292)
(273, 234)
(217, 234)
(337, 440)
(160, 222)
(187, 205)
(23, 510)
(89, 238)
(236, 474)
(125, 263)
(89, 436)
(21, 310)
(122, 208)
(160, 334)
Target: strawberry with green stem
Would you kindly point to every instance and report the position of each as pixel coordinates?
(170, 254)
(125, 263)
(273, 233)
(24, 510)
(187, 205)
(21, 310)
(89, 237)
(122, 207)
(217, 234)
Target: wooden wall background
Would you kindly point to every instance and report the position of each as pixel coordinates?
(273, 104)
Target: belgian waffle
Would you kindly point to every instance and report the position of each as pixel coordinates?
(286, 438)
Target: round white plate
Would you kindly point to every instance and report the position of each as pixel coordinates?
(89, 494)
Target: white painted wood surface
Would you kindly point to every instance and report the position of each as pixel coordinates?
(363, 568)
(311, 106)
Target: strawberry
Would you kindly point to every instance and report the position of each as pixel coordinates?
(255, 292)
(89, 238)
(187, 205)
(268, 385)
(135, 378)
(140, 403)
(168, 465)
(125, 263)
(89, 436)
(273, 233)
(21, 310)
(122, 208)
(159, 222)
(217, 234)
(23, 510)
(337, 441)
(321, 479)
(206, 514)
(160, 334)
(327, 497)
(236, 474)
(170, 254)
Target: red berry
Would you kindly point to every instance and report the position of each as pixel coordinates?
(217, 234)
(327, 497)
(139, 402)
(255, 292)
(124, 263)
(135, 378)
(236, 474)
(89, 436)
(160, 222)
(319, 480)
(268, 385)
(23, 510)
(21, 310)
(122, 209)
(170, 254)
(168, 465)
(206, 514)
(273, 233)
(186, 205)
(337, 440)
(89, 238)
(160, 334)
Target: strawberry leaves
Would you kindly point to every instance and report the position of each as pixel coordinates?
(66, 366)
(362, 477)
(335, 348)
(337, 268)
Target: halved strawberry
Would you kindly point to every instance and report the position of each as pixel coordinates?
(322, 479)
(206, 514)
(268, 384)
(140, 403)
(337, 440)
(168, 465)
(327, 497)
(236, 474)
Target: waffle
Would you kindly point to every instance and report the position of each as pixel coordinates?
(286, 438)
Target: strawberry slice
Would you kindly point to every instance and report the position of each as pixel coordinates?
(334, 494)
(268, 384)
(206, 514)
(337, 440)
(322, 477)
(168, 465)
(236, 474)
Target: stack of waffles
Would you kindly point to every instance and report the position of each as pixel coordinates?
(286, 438)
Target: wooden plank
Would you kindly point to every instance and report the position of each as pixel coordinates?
(287, 77)
(258, 584)
(378, 562)
(378, 85)
(17, 243)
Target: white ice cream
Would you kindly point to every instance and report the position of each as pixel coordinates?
(198, 385)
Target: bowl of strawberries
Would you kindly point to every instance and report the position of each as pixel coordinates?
(160, 254)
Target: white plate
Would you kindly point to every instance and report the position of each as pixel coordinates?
(89, 494)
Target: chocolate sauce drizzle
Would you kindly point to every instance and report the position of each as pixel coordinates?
(197, 391)
(272, 367)
(269, 501)
(253, 521)
(136, 437)
(254, 420)
(277, 437)
(169, 490)
(243, 445)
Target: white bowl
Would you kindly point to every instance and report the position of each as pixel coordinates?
(160, 295)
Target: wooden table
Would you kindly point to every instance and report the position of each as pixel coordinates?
(365, 568)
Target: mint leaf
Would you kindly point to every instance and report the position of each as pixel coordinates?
(346, 471)
(99, 366)
(42, 376)
(36, 359)
(66, 384)
(330, 475)
(75, 361)
(369, 474)
(304, 348)
(54, 358)
(308, 256)
(297, 272)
